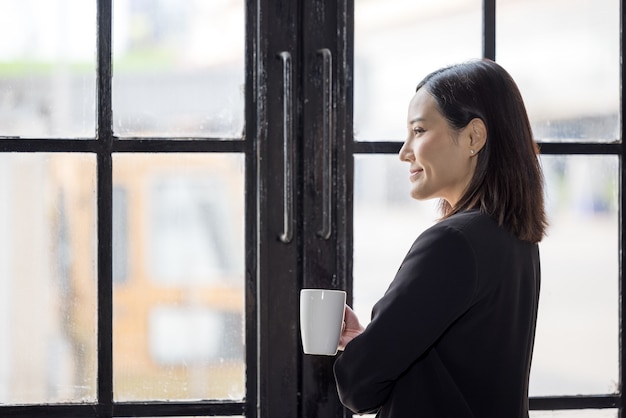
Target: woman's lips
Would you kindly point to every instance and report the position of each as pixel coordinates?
(414, 173)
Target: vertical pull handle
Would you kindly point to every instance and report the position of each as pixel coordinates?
(287, 234)
(328, 142)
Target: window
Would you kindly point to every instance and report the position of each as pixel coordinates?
(123, 200)
(568, 70)
(173, 172)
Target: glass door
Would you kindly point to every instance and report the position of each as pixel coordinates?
(172, 173)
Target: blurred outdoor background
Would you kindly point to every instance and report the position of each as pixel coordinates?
(178, 252)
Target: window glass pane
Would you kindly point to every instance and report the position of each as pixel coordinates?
(47, 68)
(398, 42)
(383, 212)
(576, 348)
(567, 66)
(178, 331)
(47, 278)
(178, 68)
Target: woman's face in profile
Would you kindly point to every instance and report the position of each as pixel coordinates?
(439, 157)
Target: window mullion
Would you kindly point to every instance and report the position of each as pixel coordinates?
(489, 29)
(104, 192)
(622, 221)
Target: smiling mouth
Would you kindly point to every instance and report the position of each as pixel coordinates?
(415, 173)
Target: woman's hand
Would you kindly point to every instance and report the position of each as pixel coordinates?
(351, 327)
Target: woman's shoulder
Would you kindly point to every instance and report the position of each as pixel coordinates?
(465, 222)
(477, 230)
(471, 227)
(450, 230)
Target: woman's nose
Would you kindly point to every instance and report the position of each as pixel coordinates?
(405, 152)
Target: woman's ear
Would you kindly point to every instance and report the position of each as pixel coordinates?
(478, 135)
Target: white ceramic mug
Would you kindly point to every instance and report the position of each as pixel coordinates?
(321, 320)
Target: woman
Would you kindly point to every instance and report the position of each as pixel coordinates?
(453, 335)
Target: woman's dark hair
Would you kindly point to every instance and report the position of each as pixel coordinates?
(508, 181)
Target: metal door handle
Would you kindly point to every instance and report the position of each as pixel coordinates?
(287, 234)
(328, 142)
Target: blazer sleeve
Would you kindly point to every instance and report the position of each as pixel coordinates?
(434, 286)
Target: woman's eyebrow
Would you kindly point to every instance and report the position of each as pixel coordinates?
(417, 119)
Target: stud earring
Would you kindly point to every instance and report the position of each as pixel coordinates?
(472, 151)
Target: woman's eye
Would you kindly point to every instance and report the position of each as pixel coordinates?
(417, 131)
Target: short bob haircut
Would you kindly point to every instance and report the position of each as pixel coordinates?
(508, 181)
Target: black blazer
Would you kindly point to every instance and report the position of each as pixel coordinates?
(453, 335)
